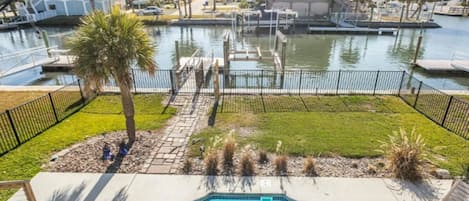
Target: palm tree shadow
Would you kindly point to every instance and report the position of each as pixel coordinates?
(105, 178)
(121, 195)
(213, 114)
(68, 193)
(170, 100)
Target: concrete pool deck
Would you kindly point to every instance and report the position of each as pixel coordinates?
(140, 187)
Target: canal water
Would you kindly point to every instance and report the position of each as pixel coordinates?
(304, 51)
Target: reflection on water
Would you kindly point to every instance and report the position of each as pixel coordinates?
(317, 52)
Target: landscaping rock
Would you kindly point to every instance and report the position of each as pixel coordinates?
(441, 174)
(88, 156)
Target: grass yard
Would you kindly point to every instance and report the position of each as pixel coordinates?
(11, 99)
(102, 115)
(350, 126)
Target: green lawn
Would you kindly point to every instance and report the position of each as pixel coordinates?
(350, 126)
(102, 115)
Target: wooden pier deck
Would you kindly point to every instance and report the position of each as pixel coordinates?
(441, 65)
(354, 30)
(61, 63)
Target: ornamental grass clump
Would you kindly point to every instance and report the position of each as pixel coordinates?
(246, 165)
(229, 148)
(405, 154)
(263, 158)
(281, 161)
(309, 167)
(187, 166)
(211, 158)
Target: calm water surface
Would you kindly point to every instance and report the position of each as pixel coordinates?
(318, 52)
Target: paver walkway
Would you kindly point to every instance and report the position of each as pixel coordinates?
(169, 153)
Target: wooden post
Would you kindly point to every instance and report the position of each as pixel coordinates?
(419, 43)
(216, 84)
(242, 24)
(178, 62)
(28, 190)
(45, 37)
(284, 54)
(400, 19)
(258, 24)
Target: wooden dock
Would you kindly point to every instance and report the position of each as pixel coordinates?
(441, 65)
(354, 30)
(62, 63)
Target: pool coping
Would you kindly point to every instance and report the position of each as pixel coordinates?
(142, 187)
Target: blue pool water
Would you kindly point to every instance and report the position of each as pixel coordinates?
(245, 197)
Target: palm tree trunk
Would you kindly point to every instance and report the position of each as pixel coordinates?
(128, 107)
(214, 5)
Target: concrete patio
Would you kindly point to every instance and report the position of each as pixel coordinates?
(118, 187)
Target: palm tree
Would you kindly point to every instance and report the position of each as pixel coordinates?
(106, 46)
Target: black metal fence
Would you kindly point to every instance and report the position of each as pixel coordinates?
(26, 121)
(23, 122)
(448, 111)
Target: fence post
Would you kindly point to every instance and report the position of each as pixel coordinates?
(53, 107)
(400, 85)
(338, 83)
(447, 110)
(376, 82)
(223, 93)
(133, 78)
(299, 85)
(262, 80)
(171, 79)
(418, 94)
(13, 127)
(81, 92)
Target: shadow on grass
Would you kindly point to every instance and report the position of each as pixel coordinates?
(170, 100)
(213, 114)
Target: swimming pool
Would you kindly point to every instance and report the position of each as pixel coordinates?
(244, 197)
